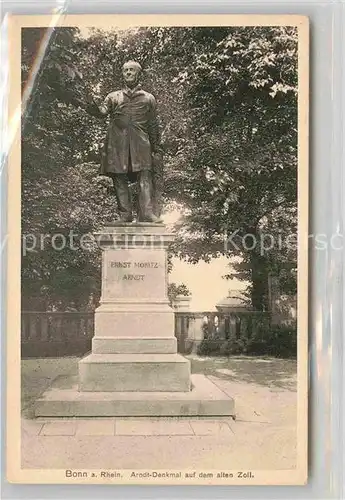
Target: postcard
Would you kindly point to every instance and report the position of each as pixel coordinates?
(157, 249)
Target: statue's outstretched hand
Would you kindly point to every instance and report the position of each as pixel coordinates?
(97, 101)
(93, 106)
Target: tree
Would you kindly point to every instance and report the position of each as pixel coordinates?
(174, 290)
(227, 101)
(60, 261)
(61, 190)
(240, 159)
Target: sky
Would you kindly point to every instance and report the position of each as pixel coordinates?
(204, 280)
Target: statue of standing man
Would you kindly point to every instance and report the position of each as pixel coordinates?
(132, 151)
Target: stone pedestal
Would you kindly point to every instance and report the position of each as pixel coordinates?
(134, 347)
(134, 367)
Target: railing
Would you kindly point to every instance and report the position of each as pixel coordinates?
(193, 328)
(50, 334)
(55, 334)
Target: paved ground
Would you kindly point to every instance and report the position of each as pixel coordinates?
(262, 437)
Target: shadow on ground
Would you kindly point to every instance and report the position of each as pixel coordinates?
(37, 375)
(266, 371)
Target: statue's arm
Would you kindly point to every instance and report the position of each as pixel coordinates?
(99, 110)
(105, 107)
(153, 129)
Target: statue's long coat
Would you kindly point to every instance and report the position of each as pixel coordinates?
(132, 131)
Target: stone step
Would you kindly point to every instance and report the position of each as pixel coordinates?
(64, 400)
(134, 372)
(134, 345)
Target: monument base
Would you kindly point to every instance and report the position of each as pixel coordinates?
(64, 400)
(134, 372)
(134, 369)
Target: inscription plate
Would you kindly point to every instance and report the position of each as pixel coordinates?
(134, 273)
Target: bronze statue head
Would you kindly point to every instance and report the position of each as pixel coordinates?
(131, 73)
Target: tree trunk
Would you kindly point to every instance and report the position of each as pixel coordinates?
(259, 274)
(259, 292)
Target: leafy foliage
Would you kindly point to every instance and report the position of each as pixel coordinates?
(279, 341)
(240, 159)
(228, 109)
(174, 290)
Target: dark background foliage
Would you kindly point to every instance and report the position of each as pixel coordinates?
(227, 102)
